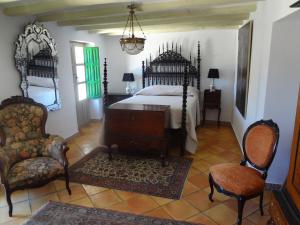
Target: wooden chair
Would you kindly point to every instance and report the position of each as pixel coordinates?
(29, 157)
(259, 147)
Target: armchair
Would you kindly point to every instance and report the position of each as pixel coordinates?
(29, 157)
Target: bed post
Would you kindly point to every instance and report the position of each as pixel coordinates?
(183, 115)
(198, 67)
(105, 83)
(143, 66)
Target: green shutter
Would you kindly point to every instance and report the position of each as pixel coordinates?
(92, 72)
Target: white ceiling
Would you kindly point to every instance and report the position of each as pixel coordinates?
(109, 16)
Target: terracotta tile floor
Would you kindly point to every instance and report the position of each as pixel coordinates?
(216, 145)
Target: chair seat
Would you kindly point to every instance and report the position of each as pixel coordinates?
(33, 171)
(237, 179)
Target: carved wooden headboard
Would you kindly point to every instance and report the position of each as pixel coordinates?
(169, 68)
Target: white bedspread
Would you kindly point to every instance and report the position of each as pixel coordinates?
(175, 103)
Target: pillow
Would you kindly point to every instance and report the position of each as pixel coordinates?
(167, 90)
(41, 81)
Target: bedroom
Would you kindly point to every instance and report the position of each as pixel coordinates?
(219, 49)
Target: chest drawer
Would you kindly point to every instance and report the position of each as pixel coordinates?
(137, 143)
(135, 123)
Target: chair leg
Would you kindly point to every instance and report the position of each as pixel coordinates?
(67, 181)
(8, 199)
(211, 183)
(241, 204)
(261, 201)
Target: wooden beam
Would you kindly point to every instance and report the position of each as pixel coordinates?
(227, 11)
(112, 32)
(162, 27)
(109, 10)
(54, 5)
(174, 20)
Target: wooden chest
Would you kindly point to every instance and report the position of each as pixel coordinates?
(137, 127)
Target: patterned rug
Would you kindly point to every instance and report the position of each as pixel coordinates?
(133, 173)
(54, 213)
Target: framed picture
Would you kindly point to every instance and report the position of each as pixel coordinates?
(243, 69)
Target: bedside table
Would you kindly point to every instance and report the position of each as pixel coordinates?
(116, 97)
(212, 100)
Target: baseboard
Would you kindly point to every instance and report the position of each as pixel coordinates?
(273, 187)
(95, 120)
(72, 136)
(214, 122)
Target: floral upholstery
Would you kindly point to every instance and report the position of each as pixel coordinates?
(28, 155)
(33, 170)
(237, 179)
(18, 151)
(21, 122)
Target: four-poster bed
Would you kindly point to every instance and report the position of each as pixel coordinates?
(169, 79)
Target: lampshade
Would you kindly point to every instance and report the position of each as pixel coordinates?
(128, 77)
(213, 73)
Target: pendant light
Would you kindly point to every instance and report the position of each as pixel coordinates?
(132, 45)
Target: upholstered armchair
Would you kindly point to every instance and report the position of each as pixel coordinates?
(240, 181)
(29, 157)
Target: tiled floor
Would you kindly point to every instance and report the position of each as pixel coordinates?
(216, 145)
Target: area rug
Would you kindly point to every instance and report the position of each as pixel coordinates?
(134, 173)
(57, 213)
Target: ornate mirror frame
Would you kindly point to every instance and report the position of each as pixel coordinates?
(37, 42)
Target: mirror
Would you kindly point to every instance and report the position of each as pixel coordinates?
(36, 60)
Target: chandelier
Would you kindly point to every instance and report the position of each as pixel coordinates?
(132, 45)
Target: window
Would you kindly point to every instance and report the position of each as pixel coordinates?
(87, 67)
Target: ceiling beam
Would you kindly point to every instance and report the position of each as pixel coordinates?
(194, 25)
(170, 29)
(174, 20)
(229, 11)
(54, 5)
(109, 10)
(174, 29)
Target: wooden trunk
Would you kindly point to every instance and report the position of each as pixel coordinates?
(285, 204)
(137, 127)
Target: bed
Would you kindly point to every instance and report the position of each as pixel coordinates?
(171, 79)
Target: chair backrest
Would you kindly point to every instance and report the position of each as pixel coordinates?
(260, 144)
(21, 119)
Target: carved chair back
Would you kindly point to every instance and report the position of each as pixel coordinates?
(260, 144)
(22, 125)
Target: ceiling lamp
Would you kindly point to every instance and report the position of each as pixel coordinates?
(132, 45)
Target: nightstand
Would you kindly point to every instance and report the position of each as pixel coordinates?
(116, 97)
(212, 100)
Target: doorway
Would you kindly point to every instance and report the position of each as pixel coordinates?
(79, 79)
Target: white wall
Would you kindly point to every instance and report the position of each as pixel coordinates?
(282, 88)
(9, 77)
(64, 121)
(218, 50)
(267, 13)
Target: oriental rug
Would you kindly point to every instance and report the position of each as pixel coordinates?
(57, 213)
(133, 173)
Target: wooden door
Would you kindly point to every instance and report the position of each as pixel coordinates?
(293, 180)
(79, 78)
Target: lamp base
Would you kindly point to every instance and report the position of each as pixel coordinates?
(129, 90)
(212, 87)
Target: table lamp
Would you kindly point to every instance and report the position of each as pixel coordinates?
(128, 77)
(214, 74)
